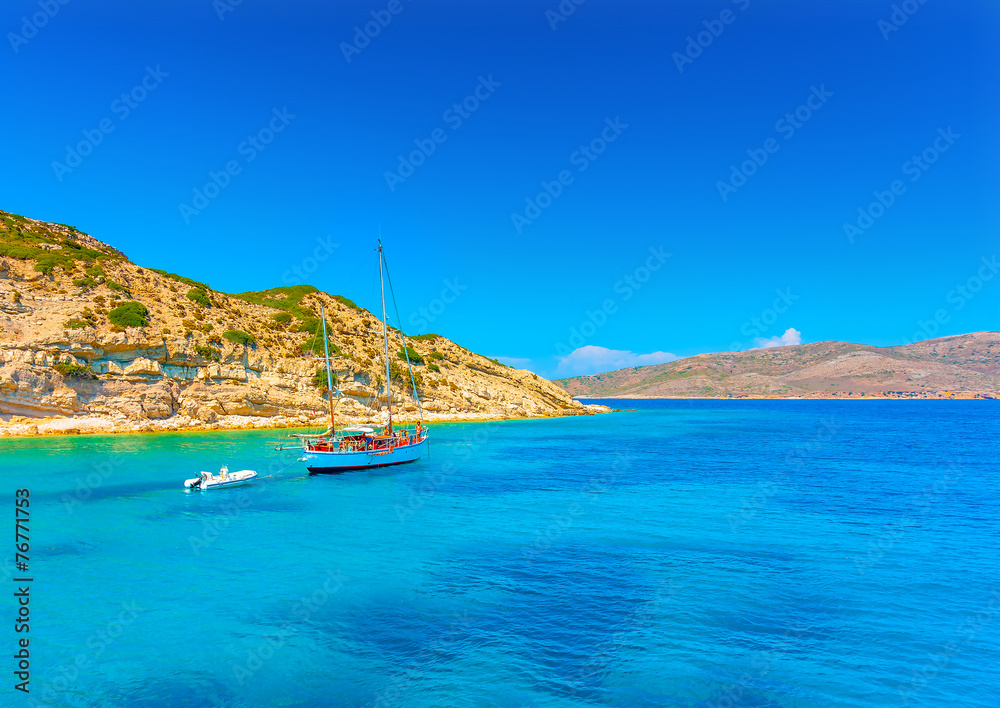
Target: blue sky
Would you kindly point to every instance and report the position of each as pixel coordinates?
(559, 157)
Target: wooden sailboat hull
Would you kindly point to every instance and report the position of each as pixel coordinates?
(319, 462)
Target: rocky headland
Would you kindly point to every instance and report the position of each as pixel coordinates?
(91, 342)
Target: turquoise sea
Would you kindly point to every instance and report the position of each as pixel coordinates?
(687, 553)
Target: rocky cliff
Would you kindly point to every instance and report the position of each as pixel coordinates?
(90, 341)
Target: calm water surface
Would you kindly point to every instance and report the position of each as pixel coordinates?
(689, 553)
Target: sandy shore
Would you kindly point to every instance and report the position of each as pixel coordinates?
(19, 426)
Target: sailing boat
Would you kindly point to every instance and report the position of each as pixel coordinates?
(361, 447)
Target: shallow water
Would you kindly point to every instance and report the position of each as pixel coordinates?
(689, 553)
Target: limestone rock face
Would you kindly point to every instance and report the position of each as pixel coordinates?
(143, 367)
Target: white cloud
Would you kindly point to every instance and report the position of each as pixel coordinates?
(790, 337)
(597, 360)
(514, 361)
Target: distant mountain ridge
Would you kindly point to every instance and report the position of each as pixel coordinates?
(962, 366)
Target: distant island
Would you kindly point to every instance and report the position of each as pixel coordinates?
(963, 366)
(91, 342)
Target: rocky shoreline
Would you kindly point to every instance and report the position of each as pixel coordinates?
(22, 426)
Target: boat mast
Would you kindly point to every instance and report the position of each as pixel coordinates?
(385, 337)
(329, 378)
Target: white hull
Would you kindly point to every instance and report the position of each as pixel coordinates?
(231, 479)
(318, 461)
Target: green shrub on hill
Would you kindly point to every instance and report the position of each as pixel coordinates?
(425, 337)
(74, 371)
(282, 317)
(129, 314)
(436, 355)
(116, 287)
(237, 337)
(288, 299)
(199, 296)
(87, 282)
(50, 249)
(46, 264)
(319, 380)
(180, 279)
(314, 345)
(434, 367)
(414, 357)
(311, 325)
(208, 352)
(75, 324)
(344, 301)
(19, 252)
(285, 298)
(401, 376)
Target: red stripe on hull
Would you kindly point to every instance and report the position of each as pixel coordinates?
(334, 470)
